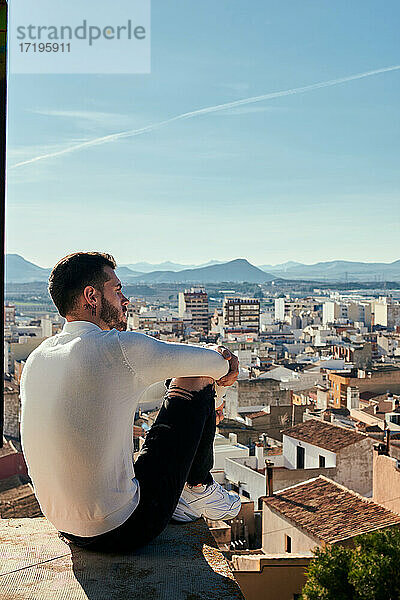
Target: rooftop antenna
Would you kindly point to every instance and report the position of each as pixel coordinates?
(3, 123)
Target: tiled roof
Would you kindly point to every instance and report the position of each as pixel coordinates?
(329, 511)
(261, 413)
(324, 435)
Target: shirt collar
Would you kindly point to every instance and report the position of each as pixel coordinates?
(78, 327)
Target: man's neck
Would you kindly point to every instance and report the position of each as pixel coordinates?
(89, 319)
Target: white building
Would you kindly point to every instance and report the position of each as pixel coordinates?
(280, 309)
(344, 311)
(47, 326)
(317, 444)
(387, 312)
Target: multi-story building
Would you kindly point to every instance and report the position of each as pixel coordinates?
(359, 354)
(387, 312)
(280, 304)
(9, 314)
(47, 326)
(355, 312)
(303, 311)
(377, 379)
(195, 303)
(242, 313)
(387, 344)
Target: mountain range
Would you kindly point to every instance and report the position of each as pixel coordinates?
(19, 270)
(145, 267)
(338, 270)
(234, 270)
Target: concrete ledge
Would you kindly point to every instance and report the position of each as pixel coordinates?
(183, 563)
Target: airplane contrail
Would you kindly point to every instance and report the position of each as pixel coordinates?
(202, 111)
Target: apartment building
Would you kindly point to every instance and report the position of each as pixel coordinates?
(241, 313)
(194, 302)
(306, 309)
(355, 312)
(387, 312)
(378, 379)
(9, 314)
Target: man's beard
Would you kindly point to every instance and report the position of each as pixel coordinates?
(111, 316)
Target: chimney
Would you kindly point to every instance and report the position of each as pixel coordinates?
(269, 482)
(387, 442)
(259, 456)
(232, 438)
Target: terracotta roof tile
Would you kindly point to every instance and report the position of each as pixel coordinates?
(324, 435)
(261, 413)
(329, 511)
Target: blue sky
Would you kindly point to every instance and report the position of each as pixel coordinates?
(307, 177)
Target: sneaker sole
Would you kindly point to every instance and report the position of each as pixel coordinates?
(183, 514)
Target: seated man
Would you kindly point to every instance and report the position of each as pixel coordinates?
(79, 393)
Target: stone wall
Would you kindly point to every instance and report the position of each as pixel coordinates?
(255, 393)
(11, 413)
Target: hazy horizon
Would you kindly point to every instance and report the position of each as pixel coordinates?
(201, 263)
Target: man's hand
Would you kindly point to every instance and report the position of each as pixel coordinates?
(233, 372)
(219, 414)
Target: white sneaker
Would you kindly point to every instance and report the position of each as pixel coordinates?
(211, 501)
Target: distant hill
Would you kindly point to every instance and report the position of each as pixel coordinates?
(145, 267)
(19, 270)
(235, 270)
(342, 270)
(282, 267)
(126, 274)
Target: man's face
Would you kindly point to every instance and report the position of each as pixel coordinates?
(113, 302)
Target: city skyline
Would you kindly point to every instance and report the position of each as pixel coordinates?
(308, 176)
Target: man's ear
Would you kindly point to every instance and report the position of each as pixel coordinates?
(89, 295)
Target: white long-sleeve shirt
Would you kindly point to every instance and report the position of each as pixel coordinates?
(79, 393)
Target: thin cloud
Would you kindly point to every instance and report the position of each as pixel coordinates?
(202, 111)
(87, 117)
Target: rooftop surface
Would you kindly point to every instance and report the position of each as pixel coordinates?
(324, 435)
(329, 511)
(18, 500)
(182, 563)
(6, 449)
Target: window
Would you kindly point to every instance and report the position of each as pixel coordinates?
(321, 461)
(288, 543)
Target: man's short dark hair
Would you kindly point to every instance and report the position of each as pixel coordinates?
(73, 273)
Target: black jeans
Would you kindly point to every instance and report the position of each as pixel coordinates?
(178, 449)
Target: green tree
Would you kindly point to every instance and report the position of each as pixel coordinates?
(367, 571)
(374, 569)
(327, 575)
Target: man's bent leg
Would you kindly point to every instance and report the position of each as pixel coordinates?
(164, 463)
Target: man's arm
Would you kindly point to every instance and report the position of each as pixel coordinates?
(153, 360)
